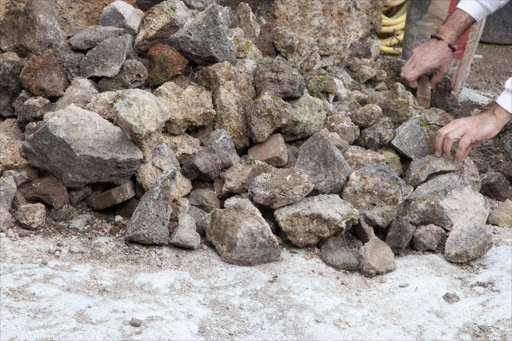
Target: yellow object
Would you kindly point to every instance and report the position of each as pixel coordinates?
(391, 34)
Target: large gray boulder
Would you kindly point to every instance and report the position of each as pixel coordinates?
(324, 163)
(107, 58)
(79, 147)
(150, 221)
(89, 37)
(278, 78)
(122, 15)
(240, 234)
(315, 218)
(205, 40)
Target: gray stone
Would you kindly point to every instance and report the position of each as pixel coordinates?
(367, 115)
(10, 69)
(31, 216)
(205, 199)
(107, 58)
(238, 177)
(398, 104)
(300, 51)
(308, 118)
(20, 176)
(7, 191)
(161, 21)
(362, 70)
(6, 219)
(185, 234)
(149, 223)
(205, 40)
(32, 29)
(245, 49)
(80, 222)
(410, 140)
(240, 234)
(70, 60)
(147, 4)
(467, 242)
(245, 19)
(200, 5)
(72, 151)
(273, 151)
(265, 115)
(421, 169)
(495, 185)
(323, 86)
(76, 196)
(277, 77)
(114, 196)
(341, 252)
(378, 135)
(376, 258)
(400, 235)
(316, 218)
(502, 215)
(324, 163)
(377, 193)
(280, 188)
(133, 74)
(429, 238)
(439, 184)
(162, 159)
(63, 214)
(48, 190)
(358, 157)
(87, 38)
(197, 214)
(206, 164)
(122, 15)
(220, 139)
(80, 93)
(184, 146)
(342, 124)
(463, 206)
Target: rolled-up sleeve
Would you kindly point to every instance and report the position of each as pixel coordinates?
(479, 9)
(505, 99)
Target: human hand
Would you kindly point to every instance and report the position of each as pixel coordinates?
(468, 131)
(432, 56)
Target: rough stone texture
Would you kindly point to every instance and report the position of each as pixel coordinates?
(48, 190)
(470, 174)
(238, 177)
(358, 157)
(308, 118)
(273, 151)
(33, 29)
(299, 50)
(205, 199)
(81, 148)
(69, 59)
(80, 93)
(278, 78)
(245, 49)
(265, 115)
(467, 242)
(324, 163)
(424, 92)
(421, 169)
(107, 58)
(6, 219)
(316, 218)
(240, 234)
(205, 40)
(464, 206)
(280, 188)
(439, 184)
(31, 216)
(21, 176)
(336, 26)
(149, 223)
(341, 252)
(207, 164)
(232, 92)
(162, 159)
(436, 116)
(133, 74)
(112, 197)
(220, 139)
(44, 76)
(197, 214)
(399, 236)
(32, 110)
(76, 196)
(165, 63)
(190, 105)
(161, 21)
(198, 4)
(184, 146)
(103, 104)
(376, 258)
(397, 104)
(10, 68)
(245, 19)
(141, 115)
(427, 210)
(429, 238)
(7, 191)
(376, 192)
(185, 234)
(342, 124)
(90, 37)
(410, 140)
(11, 140)
(367, 115)
(145, 5)
(378, 135)
(496, 186)
(502, 215)
(122, 15)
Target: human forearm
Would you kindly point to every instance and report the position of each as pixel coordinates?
(455, 25)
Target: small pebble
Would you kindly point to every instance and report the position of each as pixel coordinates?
(135, 322)
(451, 298)
(44, 262)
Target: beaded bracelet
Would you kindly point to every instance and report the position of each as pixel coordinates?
(436, 37)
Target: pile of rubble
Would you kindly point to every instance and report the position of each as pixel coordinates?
(174, 123)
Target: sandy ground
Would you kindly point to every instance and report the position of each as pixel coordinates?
(66, 288)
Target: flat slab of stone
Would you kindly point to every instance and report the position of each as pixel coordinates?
(122, 15)
(410, 139)
(112, 197)
(91, 36)
(48, 190)
(421, 169)
(107, 58)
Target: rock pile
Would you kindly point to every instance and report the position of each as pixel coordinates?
(174, 119)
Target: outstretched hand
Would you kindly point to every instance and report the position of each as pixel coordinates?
(468, 131)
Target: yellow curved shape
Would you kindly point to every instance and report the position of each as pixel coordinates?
(392, 40)
(393, 21)
(391, 50)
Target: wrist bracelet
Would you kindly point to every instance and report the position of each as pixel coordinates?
(436, 37)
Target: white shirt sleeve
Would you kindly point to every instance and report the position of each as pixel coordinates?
(505, 99)
(479, 9)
